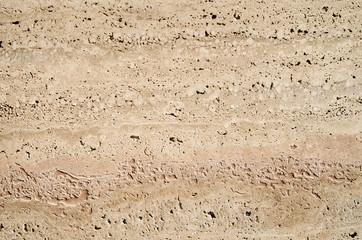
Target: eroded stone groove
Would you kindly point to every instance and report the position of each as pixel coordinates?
(180, 120)
(285, 174)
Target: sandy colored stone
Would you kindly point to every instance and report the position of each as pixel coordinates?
(180, 120)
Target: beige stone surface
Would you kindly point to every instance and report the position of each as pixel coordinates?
(193, 119)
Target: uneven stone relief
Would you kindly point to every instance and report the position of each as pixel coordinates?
(283, 174)
(116, 120)
(242, 204)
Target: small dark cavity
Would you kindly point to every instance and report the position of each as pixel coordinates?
(172, 114)
(212, 214)
(353, 235)
(236, 16)
(134, 137)
(222, 132)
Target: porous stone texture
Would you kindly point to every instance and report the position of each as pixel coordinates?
(203, 119)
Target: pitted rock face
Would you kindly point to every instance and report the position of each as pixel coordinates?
(180, 120)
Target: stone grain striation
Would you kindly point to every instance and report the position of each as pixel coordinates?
(180, 119)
